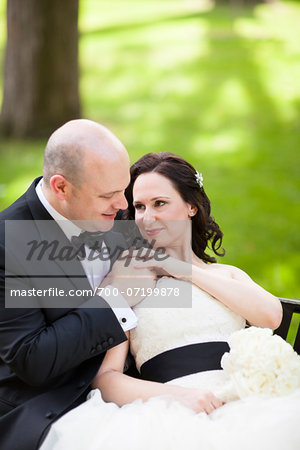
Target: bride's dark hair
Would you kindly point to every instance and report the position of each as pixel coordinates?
(205, 231)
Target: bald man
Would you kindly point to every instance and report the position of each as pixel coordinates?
(51, 350)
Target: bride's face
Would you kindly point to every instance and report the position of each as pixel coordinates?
(160, 212)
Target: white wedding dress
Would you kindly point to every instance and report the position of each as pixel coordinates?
(255, 423)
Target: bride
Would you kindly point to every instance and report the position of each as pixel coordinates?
(183, 396)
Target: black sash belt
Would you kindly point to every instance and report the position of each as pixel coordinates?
(185, 360)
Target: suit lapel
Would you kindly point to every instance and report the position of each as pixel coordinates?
(116, 244)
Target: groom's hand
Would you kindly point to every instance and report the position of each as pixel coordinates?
(134, 284)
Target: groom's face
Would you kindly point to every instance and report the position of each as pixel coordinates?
(95, 203)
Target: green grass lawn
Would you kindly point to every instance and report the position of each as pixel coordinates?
(218, 86)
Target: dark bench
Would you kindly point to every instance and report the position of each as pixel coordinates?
(290, 326)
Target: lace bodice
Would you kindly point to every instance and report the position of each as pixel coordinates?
(164, 328)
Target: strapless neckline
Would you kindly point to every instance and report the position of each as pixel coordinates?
(180, 321)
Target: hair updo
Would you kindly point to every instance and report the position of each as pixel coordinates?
(182, 175)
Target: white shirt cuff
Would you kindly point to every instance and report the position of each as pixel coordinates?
(123, 312)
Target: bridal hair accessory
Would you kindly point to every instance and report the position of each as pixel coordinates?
(260, 363)
(199, 178)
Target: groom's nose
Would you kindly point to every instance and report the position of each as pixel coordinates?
(120, 201)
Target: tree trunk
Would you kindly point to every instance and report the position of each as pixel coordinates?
(41, 67)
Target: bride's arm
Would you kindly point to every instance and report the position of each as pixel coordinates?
(241, 294)
(121, 389)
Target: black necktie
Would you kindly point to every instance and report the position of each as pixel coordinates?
(93, 240)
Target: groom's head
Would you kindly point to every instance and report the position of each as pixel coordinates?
(85, 173)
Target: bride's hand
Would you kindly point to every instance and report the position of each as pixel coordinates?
(166, 265)
(197, 399)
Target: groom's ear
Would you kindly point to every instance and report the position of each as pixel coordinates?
(60, 186)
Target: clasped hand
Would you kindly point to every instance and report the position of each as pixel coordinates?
(130, 281)
(136, 271)
(169, 266)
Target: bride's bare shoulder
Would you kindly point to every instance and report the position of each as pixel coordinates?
(232, 271)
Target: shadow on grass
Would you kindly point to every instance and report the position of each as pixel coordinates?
(218, 15)
(140, 24)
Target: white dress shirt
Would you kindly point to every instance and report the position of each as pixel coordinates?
(95, 269)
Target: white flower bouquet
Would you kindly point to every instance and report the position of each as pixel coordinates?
(260, 363)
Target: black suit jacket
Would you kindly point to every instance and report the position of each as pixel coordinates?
(48, 356)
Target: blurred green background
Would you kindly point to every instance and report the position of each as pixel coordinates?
(217, 84)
